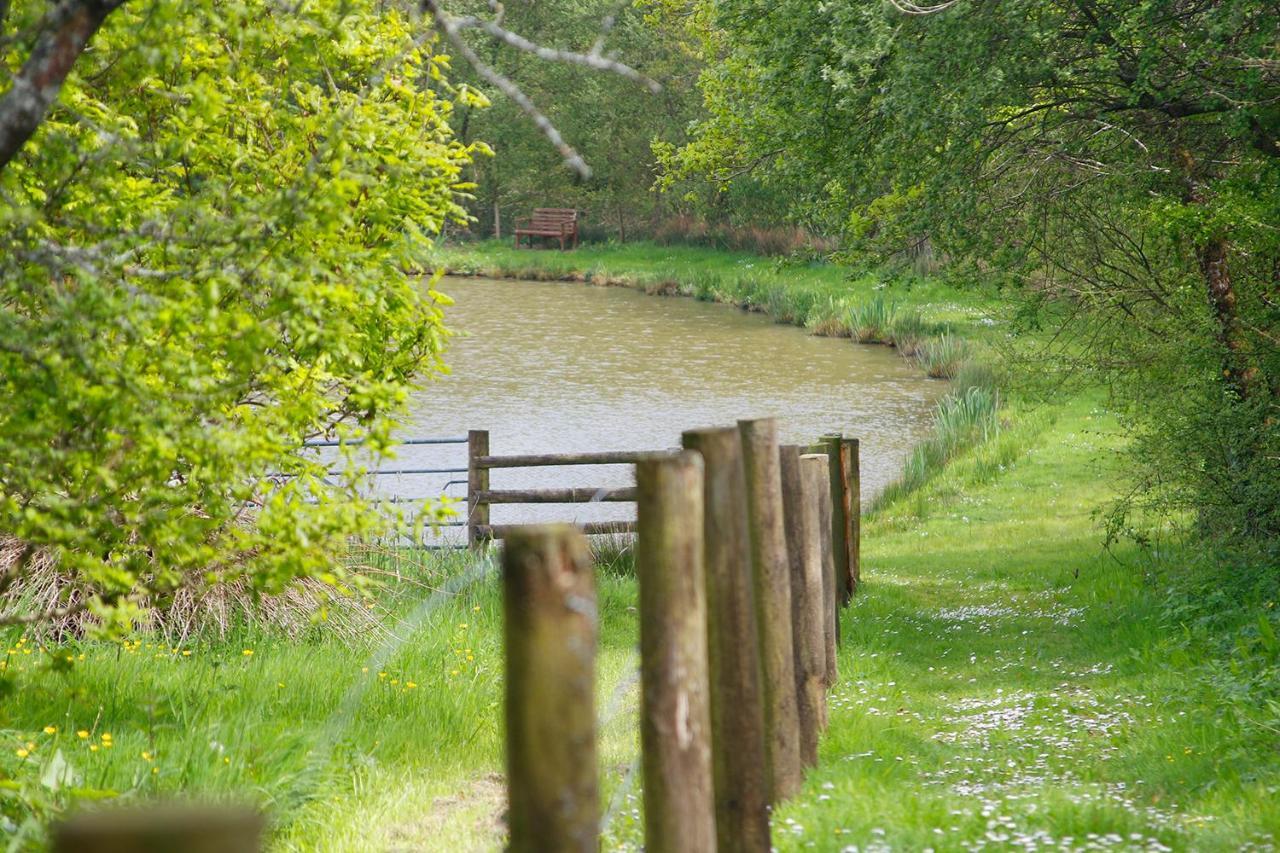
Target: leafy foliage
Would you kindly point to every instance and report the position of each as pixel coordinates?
(1121, 158)
(206, 258)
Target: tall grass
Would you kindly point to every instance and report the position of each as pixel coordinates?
(777, 240)
(961, 420)
(327, 733)
(828, 318)
(872, 322)
(910, 331)
(943, 357)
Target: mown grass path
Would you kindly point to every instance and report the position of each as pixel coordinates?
(1004, 683)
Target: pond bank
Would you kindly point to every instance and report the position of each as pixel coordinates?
(938, 328)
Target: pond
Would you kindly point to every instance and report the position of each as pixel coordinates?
(559, 366)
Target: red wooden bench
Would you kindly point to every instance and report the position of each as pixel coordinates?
(560, 223)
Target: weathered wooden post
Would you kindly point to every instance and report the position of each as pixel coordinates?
(817, 482)
(853, 479)
(198, 829)
(549, 604)
(771, 569)
(675, 722)
(477, 482)
(733, 649)
(841, 515)
(807, 605)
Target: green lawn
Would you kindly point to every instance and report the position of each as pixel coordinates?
(1007, 684)
(361, 744)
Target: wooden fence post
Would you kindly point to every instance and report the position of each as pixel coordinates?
(815, 468)
(675, 722)
(841, 520)
(477, 482)
(807, 605)
(549, 605)
(198, 829)
(854, 480)
(772, 579)
(733, 649)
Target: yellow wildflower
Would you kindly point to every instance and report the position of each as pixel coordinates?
(51, 730)
(247, 653)
(93, 747)
(146, 756)
(23, 753)
(82, 734)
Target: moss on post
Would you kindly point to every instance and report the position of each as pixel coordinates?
(807, 604)
(772, 579)
(733, 649)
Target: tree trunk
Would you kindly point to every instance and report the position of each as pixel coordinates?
(1236, 370)
(67, 30)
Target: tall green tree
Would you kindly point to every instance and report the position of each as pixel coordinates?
(1115, 158)
(207, 256)
(610, 119)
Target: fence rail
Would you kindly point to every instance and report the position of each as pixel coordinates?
(480, 497)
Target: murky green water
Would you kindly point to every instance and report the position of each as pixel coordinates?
(548, 366)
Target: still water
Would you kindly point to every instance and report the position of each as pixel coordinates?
(551, 367)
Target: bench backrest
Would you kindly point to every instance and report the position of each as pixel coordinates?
(554, 217)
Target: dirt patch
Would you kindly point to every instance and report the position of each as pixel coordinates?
(474, 819)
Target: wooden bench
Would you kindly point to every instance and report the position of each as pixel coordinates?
(560, 223)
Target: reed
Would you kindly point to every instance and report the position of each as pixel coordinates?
(872, 322)
(828, 318)
(910, 331)
(961, 420)
(943, 357)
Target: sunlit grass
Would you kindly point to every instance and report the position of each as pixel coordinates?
(345, 745)
(1006, 683)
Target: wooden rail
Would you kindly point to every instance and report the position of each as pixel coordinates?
(480, 497)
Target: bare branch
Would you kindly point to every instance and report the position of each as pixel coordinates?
(909, 8)
(552, 54)
(572, 158)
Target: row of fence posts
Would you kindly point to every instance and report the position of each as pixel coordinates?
(745, 553)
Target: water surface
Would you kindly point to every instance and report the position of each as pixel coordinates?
(558, 366)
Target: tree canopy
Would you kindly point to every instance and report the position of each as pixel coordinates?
(207, 257)
(1120, 155)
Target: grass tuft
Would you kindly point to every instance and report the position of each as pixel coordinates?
(944, 356)
(872, 322)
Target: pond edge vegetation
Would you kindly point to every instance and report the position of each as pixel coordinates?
(968, 415)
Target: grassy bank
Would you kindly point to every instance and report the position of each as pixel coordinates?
(944, 330)
(824, 298)
(1007, 684)
(372, 743)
